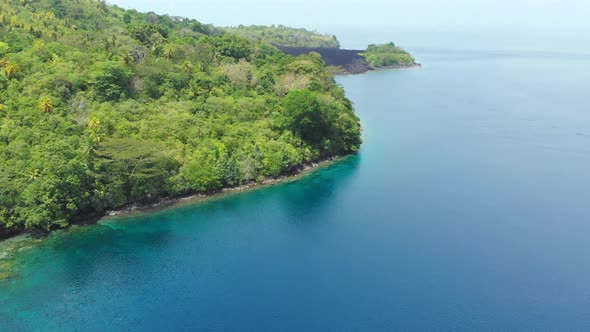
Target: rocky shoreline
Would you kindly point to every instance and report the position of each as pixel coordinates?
(168, 202)
(350, 61)
(17, 241)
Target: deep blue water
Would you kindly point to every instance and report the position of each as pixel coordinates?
(466, 209)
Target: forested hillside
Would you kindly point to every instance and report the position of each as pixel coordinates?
(101, 107)
(301, 41)
(285, 36)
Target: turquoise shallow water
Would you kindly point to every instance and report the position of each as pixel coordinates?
(467, 208)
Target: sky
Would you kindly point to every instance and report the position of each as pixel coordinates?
(569, 18)
(317, 13)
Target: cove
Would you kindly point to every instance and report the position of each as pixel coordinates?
(465, 209)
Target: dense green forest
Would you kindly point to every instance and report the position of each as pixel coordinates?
(102, 107)
(285, 36)
(387, 55)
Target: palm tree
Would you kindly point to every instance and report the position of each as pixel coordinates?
(169, 52)
(188, 67)
(34, 174)
(14, 22)
(95, 126)
(45, 105)
(10, 69)
(128, 58)
(94, 123)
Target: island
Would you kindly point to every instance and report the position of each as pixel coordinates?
(103, 108)
(342, 61)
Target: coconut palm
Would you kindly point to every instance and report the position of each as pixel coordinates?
(94, 123)
(54, 58)
(34, 174)
(128, 58)
(45, 105)
(188, 67)
(95, 126)
(10, 69)
(169, 52)
(14, 22)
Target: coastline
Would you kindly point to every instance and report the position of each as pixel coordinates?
(344, 72)
(171, 202)
(413, 65)
(343, 61)
(12, 244)
(190, 199)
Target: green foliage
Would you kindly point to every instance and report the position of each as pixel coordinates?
(232, 46)
(285, 36)
(303, 115)
(4, 48)
(102, 107)
(131, 170)
(330, 127)
(109, 80)
(387, 55)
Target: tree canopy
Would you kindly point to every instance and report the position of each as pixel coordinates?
(387, 55)
(285, 36)
(102, 107)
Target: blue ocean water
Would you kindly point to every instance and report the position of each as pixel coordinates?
(467, 209)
